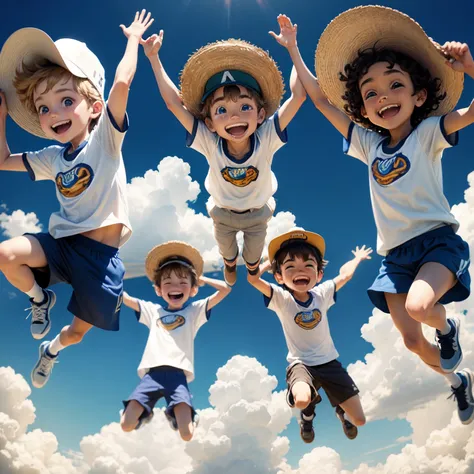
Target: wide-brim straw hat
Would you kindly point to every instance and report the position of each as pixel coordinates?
(231, 54)
(297, 233)
(363, 27)
(173, 249)
(30, 46)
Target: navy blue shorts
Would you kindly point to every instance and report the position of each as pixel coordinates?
(93, 269)
(402, 264)
(164, 381)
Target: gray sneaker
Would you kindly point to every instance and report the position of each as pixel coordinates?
(464, 397)
(40, 321)
(43, 368)
(449, 348)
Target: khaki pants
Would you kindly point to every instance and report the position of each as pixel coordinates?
(253, 224)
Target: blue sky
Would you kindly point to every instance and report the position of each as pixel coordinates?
(327, 191)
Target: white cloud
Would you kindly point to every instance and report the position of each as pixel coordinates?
(19, 222)
(160, 211)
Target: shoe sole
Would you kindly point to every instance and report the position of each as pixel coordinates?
(450, 371)
(42, 335)
(342, 420)
(34, 369)
(230, 283)
(469, 376)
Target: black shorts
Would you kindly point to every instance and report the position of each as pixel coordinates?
(332, 377)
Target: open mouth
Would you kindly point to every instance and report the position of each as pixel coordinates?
(237, 130)
(389, 111)
(301, 281)
(175, 296)
(61, 127)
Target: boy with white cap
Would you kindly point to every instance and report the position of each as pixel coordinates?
(55, 90)
(167, 365)
(230, 93)
(301, 304)
(391, 91)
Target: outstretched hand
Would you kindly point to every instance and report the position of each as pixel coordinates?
(462, 57)
(287, 36)
(362, 253)
(153, 44)
(139, 25)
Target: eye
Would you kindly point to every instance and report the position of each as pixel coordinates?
(67, 102)
(246, 108)
(370, 94)
(43, 110)
(221, 110)
(396, 85)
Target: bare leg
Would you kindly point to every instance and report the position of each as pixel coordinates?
(183, 415)
(411, 332)
(74, 333)
(17, 257)
(354, 410)
(301, 394)
(131, 415)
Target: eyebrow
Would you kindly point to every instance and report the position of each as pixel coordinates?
(386, 73)
(58, 91)
(217, 99)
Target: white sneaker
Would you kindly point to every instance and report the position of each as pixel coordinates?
(43, 368)
(40, 320)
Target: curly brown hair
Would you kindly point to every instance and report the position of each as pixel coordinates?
(420, 76)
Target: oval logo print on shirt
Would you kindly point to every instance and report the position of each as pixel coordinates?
(387, 171)
(75, 181)
(240, 177)
(171, 321)
(308, 319)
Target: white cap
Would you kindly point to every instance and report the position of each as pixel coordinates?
(28, 45)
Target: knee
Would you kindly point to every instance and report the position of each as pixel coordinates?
(75, 337)
(302, 400)
(186, 435)
(418, 310)
(127, 425)
(6, 257)
(359, 419)
(413, 342)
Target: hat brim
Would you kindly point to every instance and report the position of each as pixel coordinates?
(27, 45)
(310, 238)
(363, 27)
(231, 54)
(159, 254)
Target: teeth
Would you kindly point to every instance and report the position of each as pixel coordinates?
(383, 109)
(242, 124)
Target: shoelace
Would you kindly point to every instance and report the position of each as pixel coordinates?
(447, 346)
(46, 365)
(460, 396)
(38, 312)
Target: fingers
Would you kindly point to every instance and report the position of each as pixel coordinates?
(136, 16)
(272, 33)
(162, 34)
(142, 15)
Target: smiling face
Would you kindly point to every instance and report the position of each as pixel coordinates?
(234, 116)
(388, 96)
(177, 285)
(64, 113)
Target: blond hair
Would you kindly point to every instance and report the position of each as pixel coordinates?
(30, 76)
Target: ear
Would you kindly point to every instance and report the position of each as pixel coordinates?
(421, 97)
(209, 124)
(261, 115)
(363, 112)
(278, 278)
(157, 290)
(194, 291)
(320, 276)
(97, 108)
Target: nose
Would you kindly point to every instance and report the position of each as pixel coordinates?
(383, 98)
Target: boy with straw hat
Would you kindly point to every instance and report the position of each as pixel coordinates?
(390, 91)
(167, 365)
(55, 90)
(229, 105)
(301, 304)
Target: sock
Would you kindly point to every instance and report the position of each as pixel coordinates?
(447, 328)
(306, 417)
(36, 293)
(55, 346)
(230, 269)
(454, 379)
(253, 271)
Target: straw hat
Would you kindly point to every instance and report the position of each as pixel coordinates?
(363, 27)
(173, 250)
(30, 45)
(231, 54)
(297, 233)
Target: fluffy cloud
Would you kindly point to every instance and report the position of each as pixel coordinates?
(160, 204)
(19, 222)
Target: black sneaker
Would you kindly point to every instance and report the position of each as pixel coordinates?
(464, 397)
(306, 429)
(449, 348)
(350, 430)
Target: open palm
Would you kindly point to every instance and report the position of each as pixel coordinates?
(139, 25)
(362, 253)
(287, 36)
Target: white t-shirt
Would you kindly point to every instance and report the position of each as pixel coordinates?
(90, 182)
(248, 183)
(406, 182)
(171, 338)
(305, 325)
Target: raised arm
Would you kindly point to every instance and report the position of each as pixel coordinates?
(118, 96)
(463, 63)
(8, 162)
(287, 38)
(298, 95)
(222, 290)
(347, 270)
(169, 92)
(130, 301)
(259, 283)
